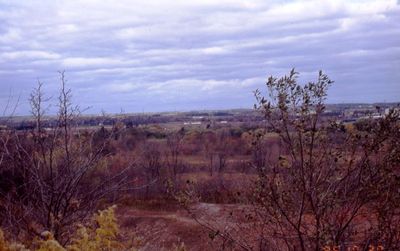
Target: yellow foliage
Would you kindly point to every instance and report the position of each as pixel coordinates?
(102, 238)
(49, 243)
(5, 246)
(83, 242)
(107, 231)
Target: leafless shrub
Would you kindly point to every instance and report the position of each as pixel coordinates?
(318, 192)
(324, 188)
(55, 176)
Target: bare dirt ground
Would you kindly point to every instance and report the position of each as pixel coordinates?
(163, 229)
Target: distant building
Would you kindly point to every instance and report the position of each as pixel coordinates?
(192, 123)
(197, 117)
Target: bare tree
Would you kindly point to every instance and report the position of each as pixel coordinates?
(209, 140)
(258, 149)
(150, 163)
(317, 193)
(51, 172)
(174, 148)
(222, 149)
(327, 188)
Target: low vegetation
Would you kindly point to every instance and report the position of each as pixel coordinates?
(296, 180)
(102, 237)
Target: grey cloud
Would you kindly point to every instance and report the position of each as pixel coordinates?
(204, 54)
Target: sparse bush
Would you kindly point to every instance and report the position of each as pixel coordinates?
(49, 177)
(319, 184)
(104, 236)
(325, 179)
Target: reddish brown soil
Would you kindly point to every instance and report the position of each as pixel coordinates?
(162, 229)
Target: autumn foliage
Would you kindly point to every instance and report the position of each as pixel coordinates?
(288, 178)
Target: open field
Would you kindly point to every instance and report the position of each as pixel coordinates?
(285, 177)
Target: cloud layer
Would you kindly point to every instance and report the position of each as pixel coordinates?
(201, 54)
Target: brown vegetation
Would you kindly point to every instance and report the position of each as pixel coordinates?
(301, 182)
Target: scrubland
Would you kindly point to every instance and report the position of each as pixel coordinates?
(297, 181)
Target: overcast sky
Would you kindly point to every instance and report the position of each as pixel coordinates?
(150, 55)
